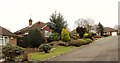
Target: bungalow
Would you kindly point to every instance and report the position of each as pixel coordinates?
(7, 37)
(39, 25)
(107, 30)
(110, 31)
(74, 32)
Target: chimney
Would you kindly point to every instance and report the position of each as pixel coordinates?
(30, 22)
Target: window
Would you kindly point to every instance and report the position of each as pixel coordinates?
(1, 40)
(47, 34)
(4, 40)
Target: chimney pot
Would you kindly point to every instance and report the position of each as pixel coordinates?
(30, 22)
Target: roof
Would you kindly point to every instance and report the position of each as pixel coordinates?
(108, 29)
(5, 32)
(74, 31)
(38, 25)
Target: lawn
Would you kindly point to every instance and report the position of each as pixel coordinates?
(40, 56)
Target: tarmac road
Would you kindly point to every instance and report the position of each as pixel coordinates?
(104, 49)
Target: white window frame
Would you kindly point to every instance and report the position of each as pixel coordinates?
(3, 40)
(47, 33)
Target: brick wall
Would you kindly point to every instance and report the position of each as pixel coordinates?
(13, 41)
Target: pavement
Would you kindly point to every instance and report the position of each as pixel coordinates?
(104, 49)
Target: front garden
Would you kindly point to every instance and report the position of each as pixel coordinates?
(40, 56)
(35, 47)
(15, 53)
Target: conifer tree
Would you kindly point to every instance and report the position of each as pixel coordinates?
(57, 22)
(100, 28)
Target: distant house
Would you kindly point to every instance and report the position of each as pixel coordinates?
(110, 31)
(7, 37)
(74, 32)
(39, 25)
(107, 30)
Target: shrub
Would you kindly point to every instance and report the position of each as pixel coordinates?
(57, 43)
(23, 41)
(45, 47)
(75, 37)
(88, 40)
(65, 35)
(86, 35)
(83, 41)
(62, 44)
(97, 36)
(106, 35)
(93, 34)
(89, 36)
(76, 43)
(10, 52)
(54, 43)
(35, 38)
(81, 31)
(53, 37)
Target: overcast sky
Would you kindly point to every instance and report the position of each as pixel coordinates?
(14, 14)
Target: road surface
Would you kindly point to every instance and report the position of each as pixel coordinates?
(104, 49)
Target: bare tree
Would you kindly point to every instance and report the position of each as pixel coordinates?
(85, 23)
(94, 28)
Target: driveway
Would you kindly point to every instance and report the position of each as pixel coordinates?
(104, 49)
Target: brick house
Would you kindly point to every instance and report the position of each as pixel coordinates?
(7, 37)
(110, 31)
(39, 25)
(107, 30)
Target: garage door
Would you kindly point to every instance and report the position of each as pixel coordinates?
(114, 33)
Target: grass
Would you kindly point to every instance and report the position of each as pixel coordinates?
(39, 56)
